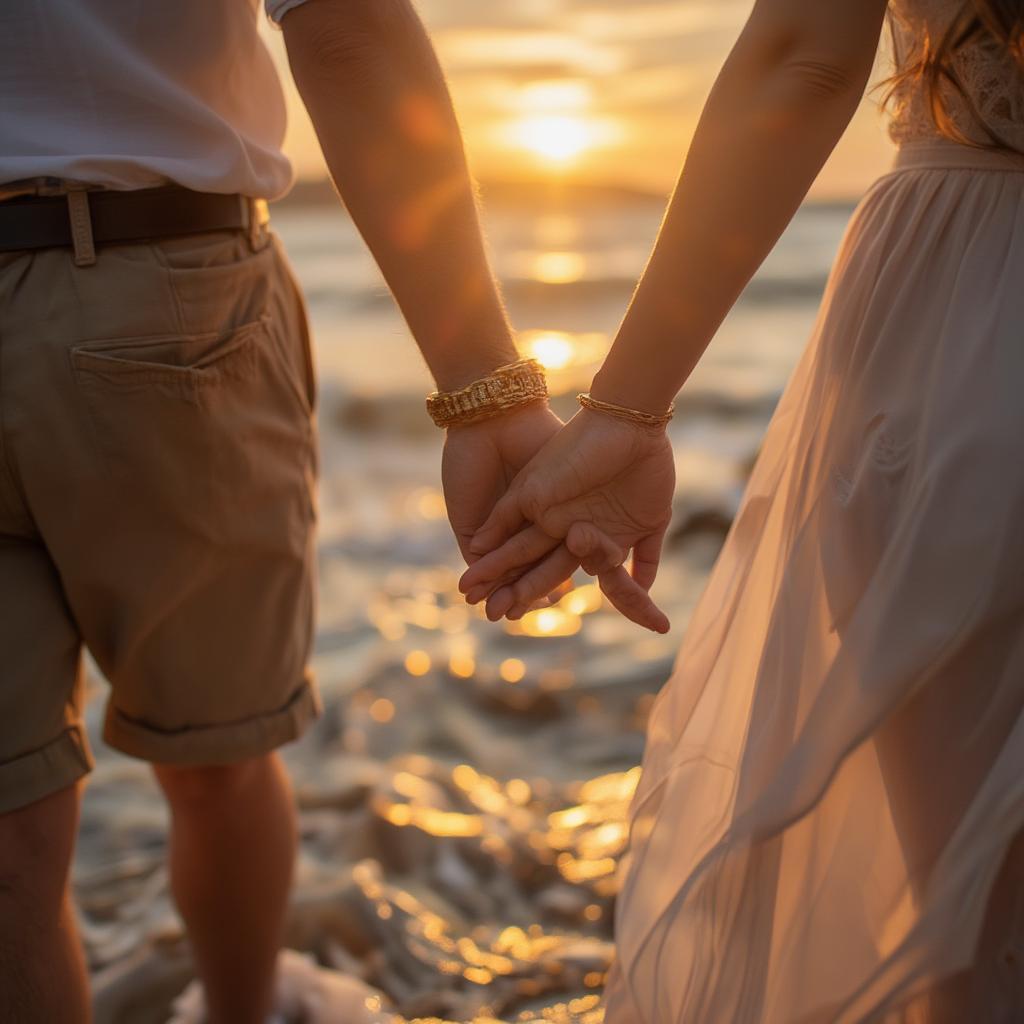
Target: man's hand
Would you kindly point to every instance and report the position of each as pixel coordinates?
(481, 460)
(599, 489)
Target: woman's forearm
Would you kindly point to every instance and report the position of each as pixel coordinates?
(776, 112)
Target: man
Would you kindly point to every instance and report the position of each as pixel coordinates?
(157, 451)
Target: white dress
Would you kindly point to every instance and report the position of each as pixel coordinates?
(830, 819)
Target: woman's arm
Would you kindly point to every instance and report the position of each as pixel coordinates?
(778, 108)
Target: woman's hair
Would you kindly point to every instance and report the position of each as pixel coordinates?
(999, 22)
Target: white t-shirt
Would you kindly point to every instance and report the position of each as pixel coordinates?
(136, 93)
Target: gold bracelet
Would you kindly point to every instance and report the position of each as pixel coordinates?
(506, 388)
(621, 412)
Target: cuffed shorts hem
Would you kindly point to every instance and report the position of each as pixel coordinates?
(43, 772)
(214, 744)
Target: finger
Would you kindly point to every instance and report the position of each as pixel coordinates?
(514, 600)
(558, 566)
(519, 551)
(560, 591)
(499, 602)
(647, 557)
(632, 600)
(505, 519)
(484, 590)
(596, 551)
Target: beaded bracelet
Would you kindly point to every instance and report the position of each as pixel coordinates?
(506, 388)
(621, 412)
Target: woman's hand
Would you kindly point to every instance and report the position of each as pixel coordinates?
(600, 488)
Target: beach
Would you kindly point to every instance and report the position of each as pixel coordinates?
(463, 798)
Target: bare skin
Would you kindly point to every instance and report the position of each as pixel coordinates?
(369, 78)
(778, 109)
(377, 97)
(776, 112)
(42, 970)
(232, 853)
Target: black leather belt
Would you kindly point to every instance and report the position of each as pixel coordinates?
(43, 222)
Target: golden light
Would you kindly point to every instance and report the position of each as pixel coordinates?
(512, 670)
(554, 96)
(462, 665)
(552, 349)
(466, 777)
(518, 790)
(382, 710)
(555, 124)
(559, 267)
(564, 350)
(546, 622)
(455, 619)
(462, 657)
(583, 600)
(556, 230)
(557, 139)
(417, 663)
(427, 503)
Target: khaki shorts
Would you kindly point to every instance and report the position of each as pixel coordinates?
(157, 475)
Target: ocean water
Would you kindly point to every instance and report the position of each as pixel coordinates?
(567, 270)
(463, 798)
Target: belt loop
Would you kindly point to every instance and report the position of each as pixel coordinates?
(257, 217)
(81, 227)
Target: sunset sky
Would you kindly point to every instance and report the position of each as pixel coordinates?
(595, 90)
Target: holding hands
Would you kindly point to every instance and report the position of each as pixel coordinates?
(596, 490)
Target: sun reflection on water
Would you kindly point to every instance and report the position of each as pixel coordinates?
(551, 622)
(562, 351)
(552, 349)
(512, 670)
(559, 267)
(571, 834)
(417, 663)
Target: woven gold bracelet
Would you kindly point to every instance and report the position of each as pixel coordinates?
(621, 412)
(506, 388)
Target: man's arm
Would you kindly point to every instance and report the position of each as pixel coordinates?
(368, 75)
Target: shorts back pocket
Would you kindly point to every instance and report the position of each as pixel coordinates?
(209, 433)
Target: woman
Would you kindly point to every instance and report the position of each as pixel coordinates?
(829, 822)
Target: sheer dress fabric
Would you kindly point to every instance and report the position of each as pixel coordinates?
(828, 826)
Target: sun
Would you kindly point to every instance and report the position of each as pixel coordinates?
(554, 123)
(556, 139)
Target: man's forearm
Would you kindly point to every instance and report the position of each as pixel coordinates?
(371, 82)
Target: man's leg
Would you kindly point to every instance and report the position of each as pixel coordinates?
(232, 850)
(42, 970)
